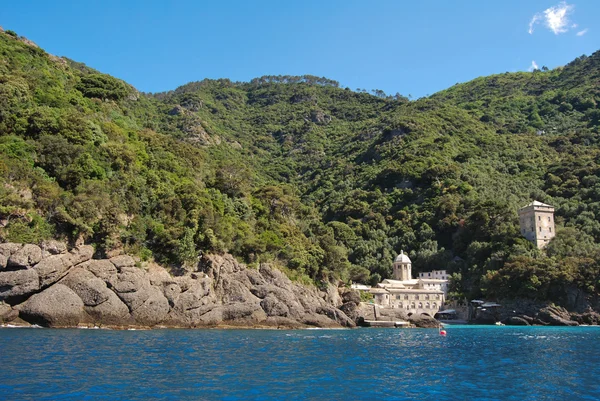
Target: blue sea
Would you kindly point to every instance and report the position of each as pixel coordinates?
(470, 363)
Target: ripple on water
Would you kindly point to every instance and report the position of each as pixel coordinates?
(470, 363)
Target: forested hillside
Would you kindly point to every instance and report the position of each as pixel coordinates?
(326, 182)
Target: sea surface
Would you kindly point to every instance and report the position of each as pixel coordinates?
(470, 363)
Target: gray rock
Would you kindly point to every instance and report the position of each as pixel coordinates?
(15, 286)
(88, 287)
(153, 310)
(8, 248)
(103, 269)
(351, 296)
(423, 321)
(171, 291)
(7, 313)
(81, 254)
(248, 312)
(336, 315)
(57, 306)
(112, 311)
(555, 316)
(318, 320)
(273, 307)
(129, 279)
(53, 268)
(25, 257)
(122, 261)
(3, 261)
(53, 247)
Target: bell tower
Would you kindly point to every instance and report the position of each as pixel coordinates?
(402, 267)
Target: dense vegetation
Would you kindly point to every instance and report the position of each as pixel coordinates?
(322, 180)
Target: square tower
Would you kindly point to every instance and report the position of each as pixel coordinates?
(537, 223)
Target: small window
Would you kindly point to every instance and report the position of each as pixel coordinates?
(549, 218)
(417, 296)
(539, 218)
(406, 297)
(540, 229)
(420, 305)
(550, 228)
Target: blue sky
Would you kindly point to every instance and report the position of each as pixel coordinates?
(410, 47)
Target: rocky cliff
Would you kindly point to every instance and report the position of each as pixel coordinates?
(52, 286)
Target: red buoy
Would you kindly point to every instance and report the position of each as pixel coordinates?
(442, 332)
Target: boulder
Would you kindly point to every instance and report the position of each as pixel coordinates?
(336, 315)
(273, 307)
(53, 247)
(57, 306)
(246, 312)
(25, 257)
(7, 313)
(81, 254)
(88, 287)
(53, 268)
(555, 316)
(8, 248)
(16, 286)
(153, 310)
(112, 311)
(318, 320)
(332, 295)
(234, 291)
(129, 279)
(122, 261)
(349, 295)
(103, 269)
(423, 321)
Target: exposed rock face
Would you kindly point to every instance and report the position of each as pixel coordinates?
(515, 321)
(57, 306)
(54, 287)
(423, 321)
(25, 257)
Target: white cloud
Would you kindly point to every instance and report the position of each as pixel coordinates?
(533, 66)
(581, 33)
(555, 18)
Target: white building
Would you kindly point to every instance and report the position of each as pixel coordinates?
(422, 295)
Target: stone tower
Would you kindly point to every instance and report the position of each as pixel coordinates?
(402, 267)
(537, 223)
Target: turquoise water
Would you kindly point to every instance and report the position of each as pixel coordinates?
(470, 363)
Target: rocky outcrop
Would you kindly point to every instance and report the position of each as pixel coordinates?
(423, 321)
(57, 306)
(521, 312)
(56, 287)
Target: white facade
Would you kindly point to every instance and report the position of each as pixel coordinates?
(434, 274)
(422, 295)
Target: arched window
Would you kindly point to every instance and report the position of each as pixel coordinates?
(420, 305)
(406, 296)
(417, 296)
(427, 305)
(427, 296)
(434, 306)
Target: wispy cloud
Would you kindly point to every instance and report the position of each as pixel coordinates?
(581, 33)
(555, 18)
(533, 66)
